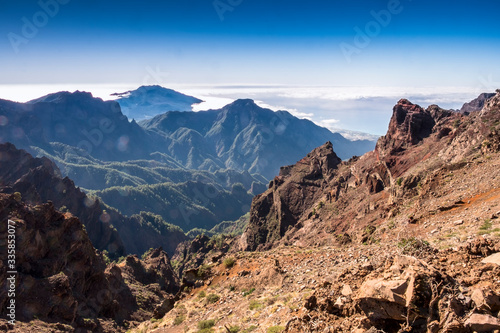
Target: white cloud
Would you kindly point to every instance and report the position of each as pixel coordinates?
(328, 123)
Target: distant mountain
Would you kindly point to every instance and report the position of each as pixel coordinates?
(476, 104)
(149, 101)
(89, 126)
(176, 155)
(244, 136)
(92, 142)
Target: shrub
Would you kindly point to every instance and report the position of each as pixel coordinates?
(275, 329)
(414, 246)
(486, 225)
(204, 324)
(202, 294)
(234, 329)
(250, 329)
(212, 298)
(179, 319)
(145, 254)
(248, 292)
(229, 262)
(254, 305)
(17, 196)
(105, 255)
(203, 271)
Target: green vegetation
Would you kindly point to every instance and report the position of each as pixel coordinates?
(212, 298)
(202, 294)
(486, 225)
(229, 262)
(485, 228)
(255, 305)
(233, 228)
(248, 292)
(179, 319)
(399, 181)
(391, 225)
(217, 241)
(203, 271)
(413, 246)
(206, 204)
(234, 329)
(145, 254)
(249, 329)
(275, 329)
(206, 324)
(105, 255)
(17, 196)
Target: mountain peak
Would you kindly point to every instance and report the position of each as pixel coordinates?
(149, 101)
(240, 103)
(63, 97)
(476, 104)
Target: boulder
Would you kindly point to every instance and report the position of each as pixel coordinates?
(386, 298)
(486, 300)
(494, 259)
(166, 305)
(380, 299)
(482, 323)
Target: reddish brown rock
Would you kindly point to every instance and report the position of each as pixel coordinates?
(280, 207)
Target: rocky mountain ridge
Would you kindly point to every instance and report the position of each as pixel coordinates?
(418, 142)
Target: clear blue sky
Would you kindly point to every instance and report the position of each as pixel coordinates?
(281, 42)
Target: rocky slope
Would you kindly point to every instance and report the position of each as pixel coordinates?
(419, 145)
(402, 239)
(63, 284)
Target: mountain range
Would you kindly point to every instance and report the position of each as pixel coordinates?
(176, 164)
(244, 136)
(402, 238)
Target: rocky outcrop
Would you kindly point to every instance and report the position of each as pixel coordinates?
(154, 268)
(59, 271)
(409, 294)
(409, 125)
(280, 207)
(476, 104)
(190, 255)
(62, 279)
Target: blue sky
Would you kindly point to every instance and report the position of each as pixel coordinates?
(420, 44)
